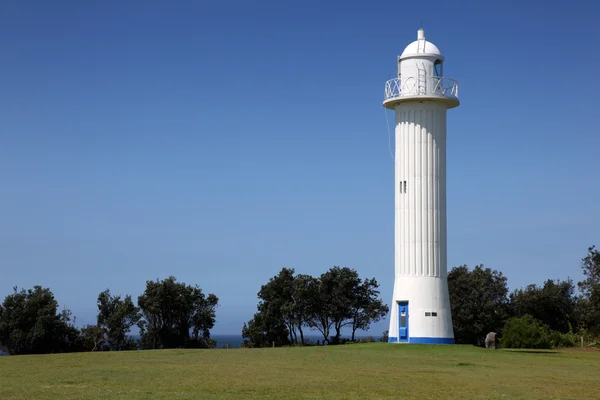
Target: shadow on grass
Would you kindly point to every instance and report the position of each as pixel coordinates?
(473, 365)
(531, 351)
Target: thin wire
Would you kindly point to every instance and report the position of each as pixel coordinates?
(387, 123)
(389, 134)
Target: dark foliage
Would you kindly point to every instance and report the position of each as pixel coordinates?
(176, 315)
(278, 309)
(93, 338)
(338, 298)
(478, 301)
(31, 324)
(116, 316)
(527, 332)
(342, 299)
(367, 307)
(385, 336)
(589, 307)
(554, 304)
(264, 330)
(331, 306)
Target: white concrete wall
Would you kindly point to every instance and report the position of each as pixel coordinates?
(421, 210)
(420, 222)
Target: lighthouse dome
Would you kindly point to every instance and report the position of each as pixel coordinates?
(421, 46)
(417, 48)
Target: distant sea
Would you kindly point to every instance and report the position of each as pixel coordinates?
(233, 341)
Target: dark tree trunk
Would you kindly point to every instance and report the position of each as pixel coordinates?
(295, 341)
(290, 332)
(353, 327)
(338, 332)
(301, 334)
(325, 331)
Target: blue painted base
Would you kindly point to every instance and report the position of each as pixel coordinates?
(424, 340)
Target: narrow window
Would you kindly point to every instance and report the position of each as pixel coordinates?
(402, 186)
(438, 68)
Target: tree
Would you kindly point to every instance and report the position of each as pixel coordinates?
(553, 304)
(336, 299)
(478, 302)
(276, 320)
(263, 331)
(277, 303)
(305, 289)
(116, 316)
(93, 338)
(590, 289)
(342, 299)
(384, 338)
(367, 308)
(282, 309)
(31, 324)
(176, 315)
(331, 305)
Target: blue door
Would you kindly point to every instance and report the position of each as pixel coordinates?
(403, 321)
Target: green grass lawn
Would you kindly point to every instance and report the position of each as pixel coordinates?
(365, 371)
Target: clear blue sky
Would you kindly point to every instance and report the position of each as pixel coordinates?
(220, 141)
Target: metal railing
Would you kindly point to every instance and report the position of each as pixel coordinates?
(432, 86)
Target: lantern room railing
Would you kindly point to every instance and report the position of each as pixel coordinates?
(414, 87)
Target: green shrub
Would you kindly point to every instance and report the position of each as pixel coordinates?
(558, 339)
(368, 339)
(591, 337)
(384, 338)
(527, 332)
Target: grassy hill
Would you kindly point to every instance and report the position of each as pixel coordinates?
(366, 371)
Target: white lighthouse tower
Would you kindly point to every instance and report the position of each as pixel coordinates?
(420, 96)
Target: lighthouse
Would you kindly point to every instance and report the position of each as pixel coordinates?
(420, 96)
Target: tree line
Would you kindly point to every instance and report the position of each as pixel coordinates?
(549, 315)
(171, 314)
(290, 303)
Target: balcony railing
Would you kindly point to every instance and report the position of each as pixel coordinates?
(411, 87)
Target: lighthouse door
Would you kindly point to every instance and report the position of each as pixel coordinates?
(403, 321)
